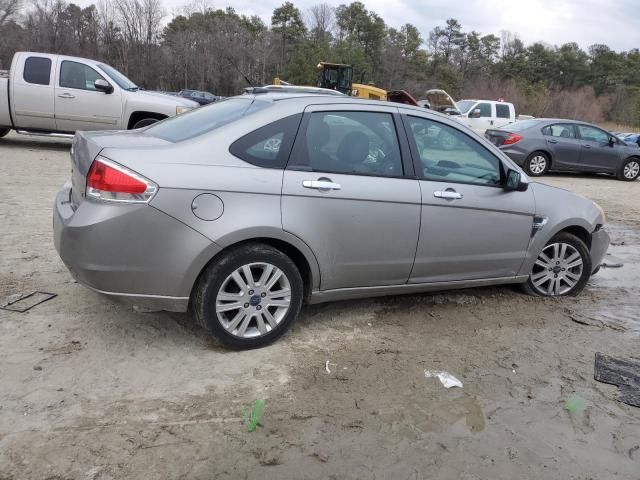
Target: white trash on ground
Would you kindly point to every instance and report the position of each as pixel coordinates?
(445, 378)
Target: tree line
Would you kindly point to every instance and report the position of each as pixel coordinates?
(222, 51)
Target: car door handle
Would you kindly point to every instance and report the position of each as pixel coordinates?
(321, 185)
(552, 141)
(587, 146)
(448, 194)
(66, 95)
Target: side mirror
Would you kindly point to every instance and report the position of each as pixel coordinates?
(612, 141)
(476, 113)
(103, 86)
(514, 182)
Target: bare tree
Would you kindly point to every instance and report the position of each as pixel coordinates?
(8, 9)
(321, 21)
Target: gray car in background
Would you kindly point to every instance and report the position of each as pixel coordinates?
(242, 210)
(541, 145)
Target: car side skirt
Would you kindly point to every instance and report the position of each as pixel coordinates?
(321, 296)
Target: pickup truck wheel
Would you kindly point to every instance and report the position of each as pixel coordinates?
(145, 122)
(537, 164)
(4, 131)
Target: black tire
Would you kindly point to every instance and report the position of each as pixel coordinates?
(532, 164)
(145, 122)
(4, 131)
(629, 170)
(585, 273)
(205, 294)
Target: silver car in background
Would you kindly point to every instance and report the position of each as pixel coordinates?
(242, 210)
(540, 145)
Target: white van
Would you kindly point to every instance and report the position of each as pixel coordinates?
(481, 115)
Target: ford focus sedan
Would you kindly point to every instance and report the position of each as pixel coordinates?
(243, 210)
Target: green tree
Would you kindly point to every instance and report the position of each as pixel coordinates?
(286, 21)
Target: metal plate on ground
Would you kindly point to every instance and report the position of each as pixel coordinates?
(622, 372)
(27, 301)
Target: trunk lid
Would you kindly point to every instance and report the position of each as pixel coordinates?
(86, 147)
(497, 137)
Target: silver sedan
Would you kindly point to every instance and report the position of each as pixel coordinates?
(242, 210)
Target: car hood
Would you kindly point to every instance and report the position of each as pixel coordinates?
(439, 100)
(159, 97)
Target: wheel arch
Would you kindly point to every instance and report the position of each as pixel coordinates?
(138, 115)
(547, 153)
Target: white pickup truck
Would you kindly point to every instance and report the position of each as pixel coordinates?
(481, 115)
(56, 95)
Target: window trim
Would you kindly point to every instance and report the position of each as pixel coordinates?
(24, 68)
(84, 65)
(299, 150)
(417, 161)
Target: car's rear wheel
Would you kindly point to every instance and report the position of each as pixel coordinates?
(4, 131)
(630, 170)
(562, 268)
(249, 297)
(537, 164)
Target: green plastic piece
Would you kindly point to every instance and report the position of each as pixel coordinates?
(254, 418)
(575, 404)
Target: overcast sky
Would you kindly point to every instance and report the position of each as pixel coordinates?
(614, 22)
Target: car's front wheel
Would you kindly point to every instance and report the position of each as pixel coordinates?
(4, 131)
(537, 164)
(630, 170)
(249, 297)
(562, 268)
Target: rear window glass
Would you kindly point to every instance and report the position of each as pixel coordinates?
(37, 70)
(203, 119)
(502, 110)
(522, 125)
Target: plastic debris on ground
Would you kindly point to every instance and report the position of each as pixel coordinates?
(445, 378)
(575, 404)
(252, 419)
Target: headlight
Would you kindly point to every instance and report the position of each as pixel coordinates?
(604, 215)
(180, 110)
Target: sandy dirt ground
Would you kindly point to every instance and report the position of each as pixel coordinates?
(91, 390)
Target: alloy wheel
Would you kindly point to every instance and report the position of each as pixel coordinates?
(631, 170)
(253, 300)
(557, 270)
(537, 164)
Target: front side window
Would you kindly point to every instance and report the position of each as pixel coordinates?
(78, 75)
(363, 143)
(559, 130)
(446, 154)
(485, 109)
(592, 134)
(37, 70)
(502, 110)
(268, 146)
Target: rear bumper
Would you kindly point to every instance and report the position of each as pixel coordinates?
(599, 244)
(132, 253)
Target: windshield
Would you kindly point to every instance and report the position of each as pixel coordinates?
(204, 119)
(465, 105)
(119, 78)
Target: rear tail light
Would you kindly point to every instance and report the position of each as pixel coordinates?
(111, 182)
(512, 138)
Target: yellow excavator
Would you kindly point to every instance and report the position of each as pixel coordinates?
(339, 77)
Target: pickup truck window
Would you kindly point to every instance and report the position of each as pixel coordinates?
(78, 75)
(502, 110)
(37, 70)
(485, 109)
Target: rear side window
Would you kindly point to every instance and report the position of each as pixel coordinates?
(203, 120)
(37, 70)
(502, 110)
(268, 146)
(485, 109)
(559, 130)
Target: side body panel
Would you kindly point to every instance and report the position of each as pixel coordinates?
(5, 116)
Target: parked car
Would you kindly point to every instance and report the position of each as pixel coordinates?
(541, 145)
(47, 94)
(202, 98)
(632, 139)
(480, 115)
(258, 203)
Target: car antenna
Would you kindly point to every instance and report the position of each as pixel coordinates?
(240, 72)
